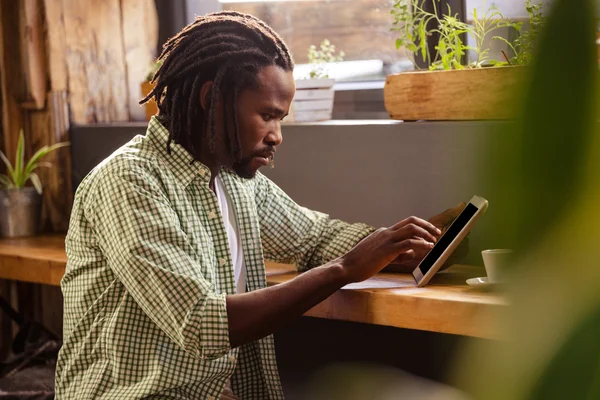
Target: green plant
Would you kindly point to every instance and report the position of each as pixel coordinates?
(416, 26)
(491, 20)
(411, 20)
(450, 48)
(524, 45)
(319, 56)
(21, 172)
(153, 68)
(545, 204)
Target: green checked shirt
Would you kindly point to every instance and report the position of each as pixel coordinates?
(149, 267)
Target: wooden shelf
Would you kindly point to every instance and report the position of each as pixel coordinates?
(447, 305)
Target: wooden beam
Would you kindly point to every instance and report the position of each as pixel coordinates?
(140, 38)
(34, 53)
(95, 61)
(49, 127)
(56, 45)
(12, 81)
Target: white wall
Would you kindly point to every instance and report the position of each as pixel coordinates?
(508, 8)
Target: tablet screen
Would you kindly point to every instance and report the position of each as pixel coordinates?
(441, 245)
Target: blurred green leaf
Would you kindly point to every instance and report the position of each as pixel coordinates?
(35, 179)
(537, 166)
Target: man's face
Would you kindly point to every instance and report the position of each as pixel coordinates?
(260, 110)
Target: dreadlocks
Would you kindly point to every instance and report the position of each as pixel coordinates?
(228, 48)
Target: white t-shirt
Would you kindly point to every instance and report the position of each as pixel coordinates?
(233, 236)
(237, 254)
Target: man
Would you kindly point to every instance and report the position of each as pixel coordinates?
(165, 289)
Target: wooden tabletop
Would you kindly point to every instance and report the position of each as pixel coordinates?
(446, 305)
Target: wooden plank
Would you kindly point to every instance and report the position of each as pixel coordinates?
(140, 38)
(12, 81)
(447, 305)
(39, 259)
(34, 52)
(49, 127)
(474, 94)
(95, 61)
(57, 46)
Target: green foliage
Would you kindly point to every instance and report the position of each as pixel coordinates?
(319, 56)
(411, 20)
(544, 171)
(416, 26)
(491, 20)
(450, 48)
(526, 42)
(21, 172)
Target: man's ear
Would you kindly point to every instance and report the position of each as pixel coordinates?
(205, 93)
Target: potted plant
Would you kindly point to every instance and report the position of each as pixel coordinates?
(453, 89)
(147, 86)
(314, 95)
(20, 205)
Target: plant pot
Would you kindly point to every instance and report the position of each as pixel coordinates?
(151, 107)
(20, 212)
(313, 100)
(467, 94)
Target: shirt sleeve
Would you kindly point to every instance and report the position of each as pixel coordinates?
(291, 233)
(140, 235)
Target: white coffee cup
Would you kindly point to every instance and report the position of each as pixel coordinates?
(496, 261)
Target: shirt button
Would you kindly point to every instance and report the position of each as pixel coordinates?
(212, 215)
(222, 261)
(202, 172)
(232, 358)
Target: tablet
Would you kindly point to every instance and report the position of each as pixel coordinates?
(449, 241)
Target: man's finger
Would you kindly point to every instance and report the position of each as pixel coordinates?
(419, 222)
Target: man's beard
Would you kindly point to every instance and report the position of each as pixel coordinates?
(243, 167)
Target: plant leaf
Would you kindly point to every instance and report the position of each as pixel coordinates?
(6, 181)
(19, 167)
(9, 166)
(35, 179)
(43, 151)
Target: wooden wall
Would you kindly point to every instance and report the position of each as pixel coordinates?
(66, 62)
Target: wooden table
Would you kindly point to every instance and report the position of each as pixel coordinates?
(446, 305)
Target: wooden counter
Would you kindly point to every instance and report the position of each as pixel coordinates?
(447, 305)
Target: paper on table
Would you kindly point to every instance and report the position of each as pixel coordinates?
(379, 283)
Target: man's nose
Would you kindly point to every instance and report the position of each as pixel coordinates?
(274, 138)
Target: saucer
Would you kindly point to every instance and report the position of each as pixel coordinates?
(482, 283)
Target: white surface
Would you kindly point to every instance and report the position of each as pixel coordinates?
(508, 8)
(314, 83)
(313, 105)
(314, 94)
(345, 70)
(233, 236)
(312, 116)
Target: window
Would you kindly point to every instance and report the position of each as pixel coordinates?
(360, 28)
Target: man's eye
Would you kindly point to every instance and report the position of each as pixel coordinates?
(267, 117)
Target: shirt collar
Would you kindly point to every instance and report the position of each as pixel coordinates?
(180, 161)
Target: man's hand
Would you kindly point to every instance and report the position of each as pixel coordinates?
(255, 314)
(403, 242)
(441, 221)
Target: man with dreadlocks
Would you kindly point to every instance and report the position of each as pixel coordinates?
(165, 289)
